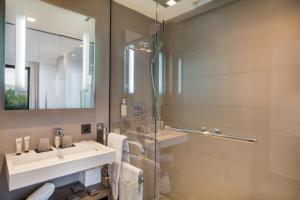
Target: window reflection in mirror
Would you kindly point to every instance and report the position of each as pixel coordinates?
(49, 57)
(16, 100)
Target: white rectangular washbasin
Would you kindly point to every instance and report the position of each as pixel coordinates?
(31, 168)
(165, 138)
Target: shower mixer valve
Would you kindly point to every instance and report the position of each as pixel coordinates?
(217, 131)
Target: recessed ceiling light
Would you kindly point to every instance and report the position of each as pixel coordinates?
(73, 54)
(31, 19)
(171, 2)
(81, 46)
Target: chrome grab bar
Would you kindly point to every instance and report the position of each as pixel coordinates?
(137, 157)
(127, 153)
(140, 147)
(215, 133)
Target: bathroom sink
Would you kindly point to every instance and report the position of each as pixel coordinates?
(165, 138)
(168, 138)
(31, 168)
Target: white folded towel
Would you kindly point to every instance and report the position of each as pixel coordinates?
(130, 188)
(116, 142)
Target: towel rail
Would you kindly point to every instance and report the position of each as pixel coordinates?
(140, 147)
(137, 157)
(216, 133)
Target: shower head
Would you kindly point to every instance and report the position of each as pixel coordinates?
(139, 49)
(145, 45)
(142, 44)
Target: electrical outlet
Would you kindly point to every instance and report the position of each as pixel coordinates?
(86, 129)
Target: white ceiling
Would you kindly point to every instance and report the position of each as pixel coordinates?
(50, 18)
(148, 8)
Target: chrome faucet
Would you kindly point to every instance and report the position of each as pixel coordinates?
(59, 132)
(102, 134)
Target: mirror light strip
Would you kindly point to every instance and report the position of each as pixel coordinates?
(20, 51)
(160, 75)
(170, 78)
(179, 76)
(131, 71)
(86, 61)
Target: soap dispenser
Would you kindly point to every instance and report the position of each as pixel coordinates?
(124, 108)
(58, 136)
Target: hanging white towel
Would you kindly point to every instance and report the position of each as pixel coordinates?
(130, 188)
(116, 141)
(150, 171)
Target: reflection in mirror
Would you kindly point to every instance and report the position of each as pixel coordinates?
(49, 57)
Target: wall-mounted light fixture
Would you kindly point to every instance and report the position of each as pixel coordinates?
(86, 60)
(160, 73)
(170, 77)
(179, 76)
(131, 71)
(20, 52)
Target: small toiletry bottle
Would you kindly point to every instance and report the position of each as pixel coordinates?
(57, 141)
(162, 125)
(26, 144)
(18, 146)
(124, 108)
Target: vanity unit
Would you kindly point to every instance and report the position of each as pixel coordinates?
(31, 168)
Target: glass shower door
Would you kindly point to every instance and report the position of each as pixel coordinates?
(133, 74)
(213, 96)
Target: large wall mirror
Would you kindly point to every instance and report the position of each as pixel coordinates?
(49, 57)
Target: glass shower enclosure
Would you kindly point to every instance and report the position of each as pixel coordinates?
(213, 96)
(134, 109)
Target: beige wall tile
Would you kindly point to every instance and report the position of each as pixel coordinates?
(285, 53)
(204, 66)
(241, 66)
(249, 89)
(284, 159)
(247, 56)
(285, 86)
(249, 120)
(211, 90)
(285, 121)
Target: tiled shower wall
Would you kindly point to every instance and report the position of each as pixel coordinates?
(240, 73)
(122, 21)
